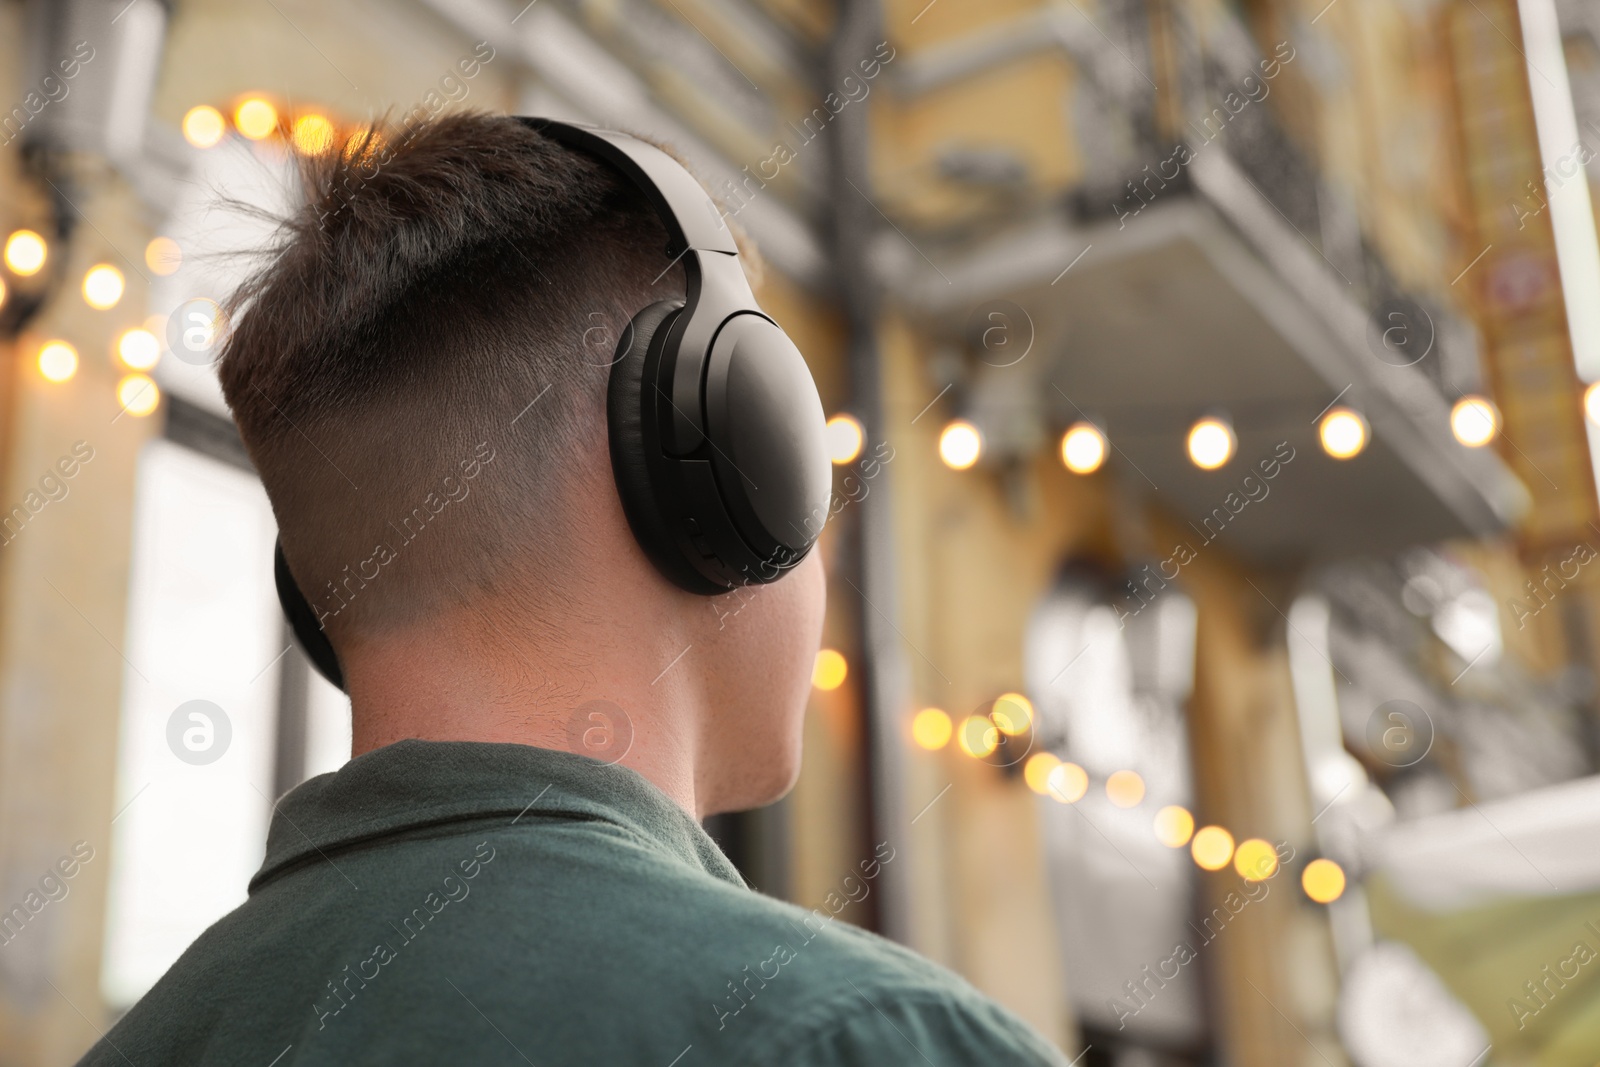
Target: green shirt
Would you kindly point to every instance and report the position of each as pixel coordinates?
(448, 903)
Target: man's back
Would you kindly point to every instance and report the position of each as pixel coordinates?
(459, 902)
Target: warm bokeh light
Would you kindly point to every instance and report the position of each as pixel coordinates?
(102, 286)
(2, 292)
(1344, 433)
(1036, 772)
(978, 736)
(1211, 443)
(1212, 848)
(1174, 826)
(1323, 880)
(960, 445)
(163, 256)
(1474, 421)
(931, 728)
(256, 118)
(1083, 448)
(137, 394)
(844, 439)
(1591, 403)
(204, 126)
(58, 361)
(25, 252)
(312, 134)
(363, 145)
(1125, 789)
(829, 669)
(1255, 860)
(138, 349)
(1068, 783)
(1012, 713)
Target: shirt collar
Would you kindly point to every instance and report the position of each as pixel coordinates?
(414, 783)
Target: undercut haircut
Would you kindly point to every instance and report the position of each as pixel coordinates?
(419, 368)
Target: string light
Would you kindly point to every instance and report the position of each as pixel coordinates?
(931, 728)
(1255, 860)
(58, 361)
(363, 145)
(312, 134)
(203, 126)
(1211, 443)
(102, 286)
(978, 736)
(960, 445)
(138, 349)
(1068, 783)
(1212, 848)
(25, 252)
(1125, 789)
(163, 256)
(1323, 881)
(829, 669)
(1174, 826)
(845, 436)
(1344, 433)
(1036, 772)
(256, 118)
(1012, 713)
(1474, 421)
(1083, 448)
(138, 395)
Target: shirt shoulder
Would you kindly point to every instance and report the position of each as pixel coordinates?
(914, 1028)
(854, 997)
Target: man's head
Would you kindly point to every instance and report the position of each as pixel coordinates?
(419, 374)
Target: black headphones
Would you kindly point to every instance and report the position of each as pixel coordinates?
(715, 426)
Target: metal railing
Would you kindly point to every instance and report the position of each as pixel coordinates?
(1220, 97)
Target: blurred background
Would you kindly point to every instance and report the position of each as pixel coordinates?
(1213, 566)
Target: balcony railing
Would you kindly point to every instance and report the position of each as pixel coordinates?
(1224, 79)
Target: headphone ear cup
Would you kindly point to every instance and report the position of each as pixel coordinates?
(303, 620)
(631, 443)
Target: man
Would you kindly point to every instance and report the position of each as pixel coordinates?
(512, 869)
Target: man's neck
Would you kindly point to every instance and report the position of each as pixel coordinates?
(596, 698)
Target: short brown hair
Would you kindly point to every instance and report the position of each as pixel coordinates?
(435, 324)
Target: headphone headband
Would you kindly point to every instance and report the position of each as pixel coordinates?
(691, 218)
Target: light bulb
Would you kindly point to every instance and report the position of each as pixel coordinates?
(960, 445)
(138, 394)
(844, 437)
(25, 252)
(1323, 881)
(203, 126)
(1212, 848)
(1343, 433)
(58, 361)
(1174, 826)
(163, 256)
(312, 134)
(102, 286)
(931, 729)
(829, 669)
(1083, 448)
(1474, 421)
(138, 349)
(1211, 443)
(256, 118)
(1255, 860)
